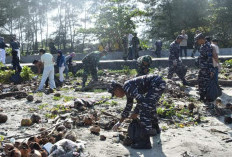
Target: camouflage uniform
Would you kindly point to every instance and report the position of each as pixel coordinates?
(135, 47)
(147, 90)
(206, 67)
(143, 69)
(174, 56)
(90, 63)
(125, 47)
(196, 46)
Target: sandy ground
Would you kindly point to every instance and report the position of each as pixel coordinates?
(188, 141)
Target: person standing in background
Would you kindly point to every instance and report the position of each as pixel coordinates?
(125, 47)
(196, 46)
(158, 50)
(90, 65)
(135, 46)
(61, 64)
(15, 61)
(183, 43)
(2, 51)
(48, 72)
(69, 64)
(207, 70)
(130, 55)
(175, 63)
(15, 45)
(216, 62)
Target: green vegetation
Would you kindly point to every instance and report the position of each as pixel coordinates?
(42, 106)
(80, 73)
(56, 98)
(68, 98)
(126, 70)
(160, 111)
(98, 90)
(5, 74)
(100, 72)
(26, 73)
(39, 94)
(228, 64)
(50, 116)
(113, 19)
(113, 103)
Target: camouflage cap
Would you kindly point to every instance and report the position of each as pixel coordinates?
(113, 86)
(179, 37)
(147, 58)
(199, 36)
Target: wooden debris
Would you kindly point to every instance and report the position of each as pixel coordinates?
(14, 94)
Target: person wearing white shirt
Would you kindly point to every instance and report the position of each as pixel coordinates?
(183, 43)
(216, 63)
(48, 71)
(130, 55)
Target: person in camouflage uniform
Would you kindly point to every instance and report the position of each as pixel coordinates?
(147, 91)
(196, 46)
(90, 63)
(206, 71)
(125, 47)
(143, 63)
(135, 46)
(69, 64)
(175, 63)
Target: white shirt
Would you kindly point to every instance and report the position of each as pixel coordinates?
(215, 50)
(184, 41)
(130, 36)
(47, 59)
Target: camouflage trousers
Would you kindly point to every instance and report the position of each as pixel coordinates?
(147, 109)
(88, 69)
(203, 81)
(175, 69)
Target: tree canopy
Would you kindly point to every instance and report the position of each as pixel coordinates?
(75, 25)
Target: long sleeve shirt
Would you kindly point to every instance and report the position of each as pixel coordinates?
(68, 60)
(174, 51)
(206, 57)
(3, 45)
(15, 45)
(60, 61)
(92, 59)
(137, 87)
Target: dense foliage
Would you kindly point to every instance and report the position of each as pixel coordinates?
(6, 73)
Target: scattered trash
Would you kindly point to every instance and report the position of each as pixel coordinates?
(30, 98)
(35, 118)
(66, 147)
(3, 118)
(102, 138)
(26, 122)
(95, 129)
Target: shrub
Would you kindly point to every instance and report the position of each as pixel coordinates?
(26, 73)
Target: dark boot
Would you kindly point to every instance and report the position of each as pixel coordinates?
(156, 127)
(144, 143)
